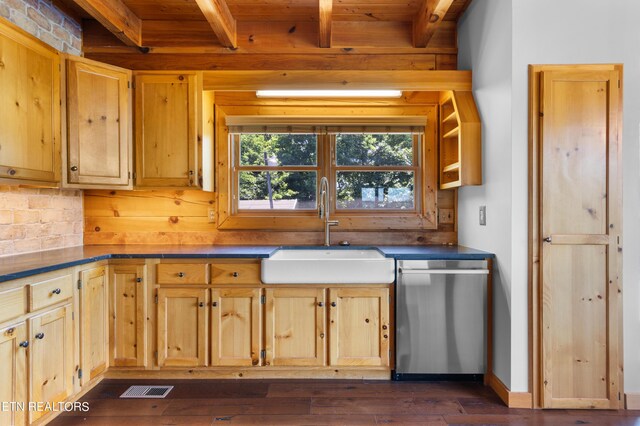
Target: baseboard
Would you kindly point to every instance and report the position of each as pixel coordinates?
(632, 401)
(511, 399)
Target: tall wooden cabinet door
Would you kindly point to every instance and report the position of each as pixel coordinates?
(182, 327)
(359, 326)
(128, 316)
(13, 370)
(236, 320)
(98, 124)
(580, 224)
(51, 357)
(295, 326)
(29, 107)
(166, 129)
(94, 331)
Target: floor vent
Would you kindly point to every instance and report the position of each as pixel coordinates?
(147, 392)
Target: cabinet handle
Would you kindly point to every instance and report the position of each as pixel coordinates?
(547, 240)
(235, 275)
(10, 331)
(321, 304)
(11, 172)
(333, 304)
(56, 291)
(181, 274)
(40, 336)
(385, 336)
(384, 327)
(74, 168)
(201, 304)
(24, 344)
(214, 304)
(138, 280)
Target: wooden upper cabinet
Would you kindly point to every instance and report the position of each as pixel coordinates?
(460, 140)
(359, 327)
(99, 149)
(29, 107)
(168, 124)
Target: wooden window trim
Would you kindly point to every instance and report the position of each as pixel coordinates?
(424, 217)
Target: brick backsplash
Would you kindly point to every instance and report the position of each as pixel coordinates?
(45, 21)
(39, 219)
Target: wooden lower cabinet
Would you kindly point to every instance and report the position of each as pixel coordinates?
(236, 323)
(13, 371)
(94, 332)
(295, 327)
(128, 316)
(51, 357)
(182, 327)
(359, 329)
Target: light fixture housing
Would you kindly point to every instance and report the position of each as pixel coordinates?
(329, 93)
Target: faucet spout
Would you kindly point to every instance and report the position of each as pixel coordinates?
(323, 210)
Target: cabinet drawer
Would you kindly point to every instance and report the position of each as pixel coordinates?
(13, 303)
(50, 292)
(235, 273)
(183, 273)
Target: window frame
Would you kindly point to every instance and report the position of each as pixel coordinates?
(424, 216)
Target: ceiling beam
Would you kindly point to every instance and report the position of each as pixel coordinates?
(115, 16)
(325, 20)
(221, 21)
(426, 22)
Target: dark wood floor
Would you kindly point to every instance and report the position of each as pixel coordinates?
(315, 402)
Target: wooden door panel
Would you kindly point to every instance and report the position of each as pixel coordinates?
(295, 326)
(579, 225)
(128, 316)
(13, 371)
(182, 322)
(94, 327)
(359, 327)
(98, 105)
(51, 357)
(235, 326)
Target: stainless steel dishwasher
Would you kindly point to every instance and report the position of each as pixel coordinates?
(441, 319)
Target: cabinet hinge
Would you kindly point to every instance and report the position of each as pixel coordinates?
(129, 175)
(263, 354)
(79, 284)
(156, 299)
(128, 85)
(73, 316)
(73, 380)
(618, 88)
(541, 114)
(619, 396)
(135, 175)
(80, 373)
(263, 299)
(155, 354)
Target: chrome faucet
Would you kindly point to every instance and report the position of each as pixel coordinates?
(323, 210)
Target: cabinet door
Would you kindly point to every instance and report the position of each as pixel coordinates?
(182, 322)
(94, 334)
(29, 107)
(128, 313)
(295, 326)
(51, 358)
(359, 326)
(235, 326)
(13, 370)
(166, 129)
(98, 117)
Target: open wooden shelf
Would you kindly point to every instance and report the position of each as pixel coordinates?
(460, 140)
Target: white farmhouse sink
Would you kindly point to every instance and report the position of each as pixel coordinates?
(327, 266)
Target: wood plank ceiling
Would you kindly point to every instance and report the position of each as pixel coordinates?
(270, 34)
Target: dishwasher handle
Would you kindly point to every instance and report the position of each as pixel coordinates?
(444, 271)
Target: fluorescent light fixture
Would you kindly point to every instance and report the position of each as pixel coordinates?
(329, 93)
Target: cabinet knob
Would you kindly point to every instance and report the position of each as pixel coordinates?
(201, 304)
(385, 336)
(384, 327)
(40, 336)
(56, 291)
(333, 304)
(138, 280)
(24, 344)
(321, 304)
(547, 240)
(74, 168)
(181, 274)
(10, 331)
(235, 275)
(214, 304)
(11, 172)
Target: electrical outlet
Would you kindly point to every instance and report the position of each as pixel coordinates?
(212, 215)
(483, 215)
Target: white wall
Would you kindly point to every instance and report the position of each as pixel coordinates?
(561, 32)
(484, 40)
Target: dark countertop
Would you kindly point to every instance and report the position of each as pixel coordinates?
(24, 265)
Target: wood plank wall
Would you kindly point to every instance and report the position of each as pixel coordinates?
(181, 217)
